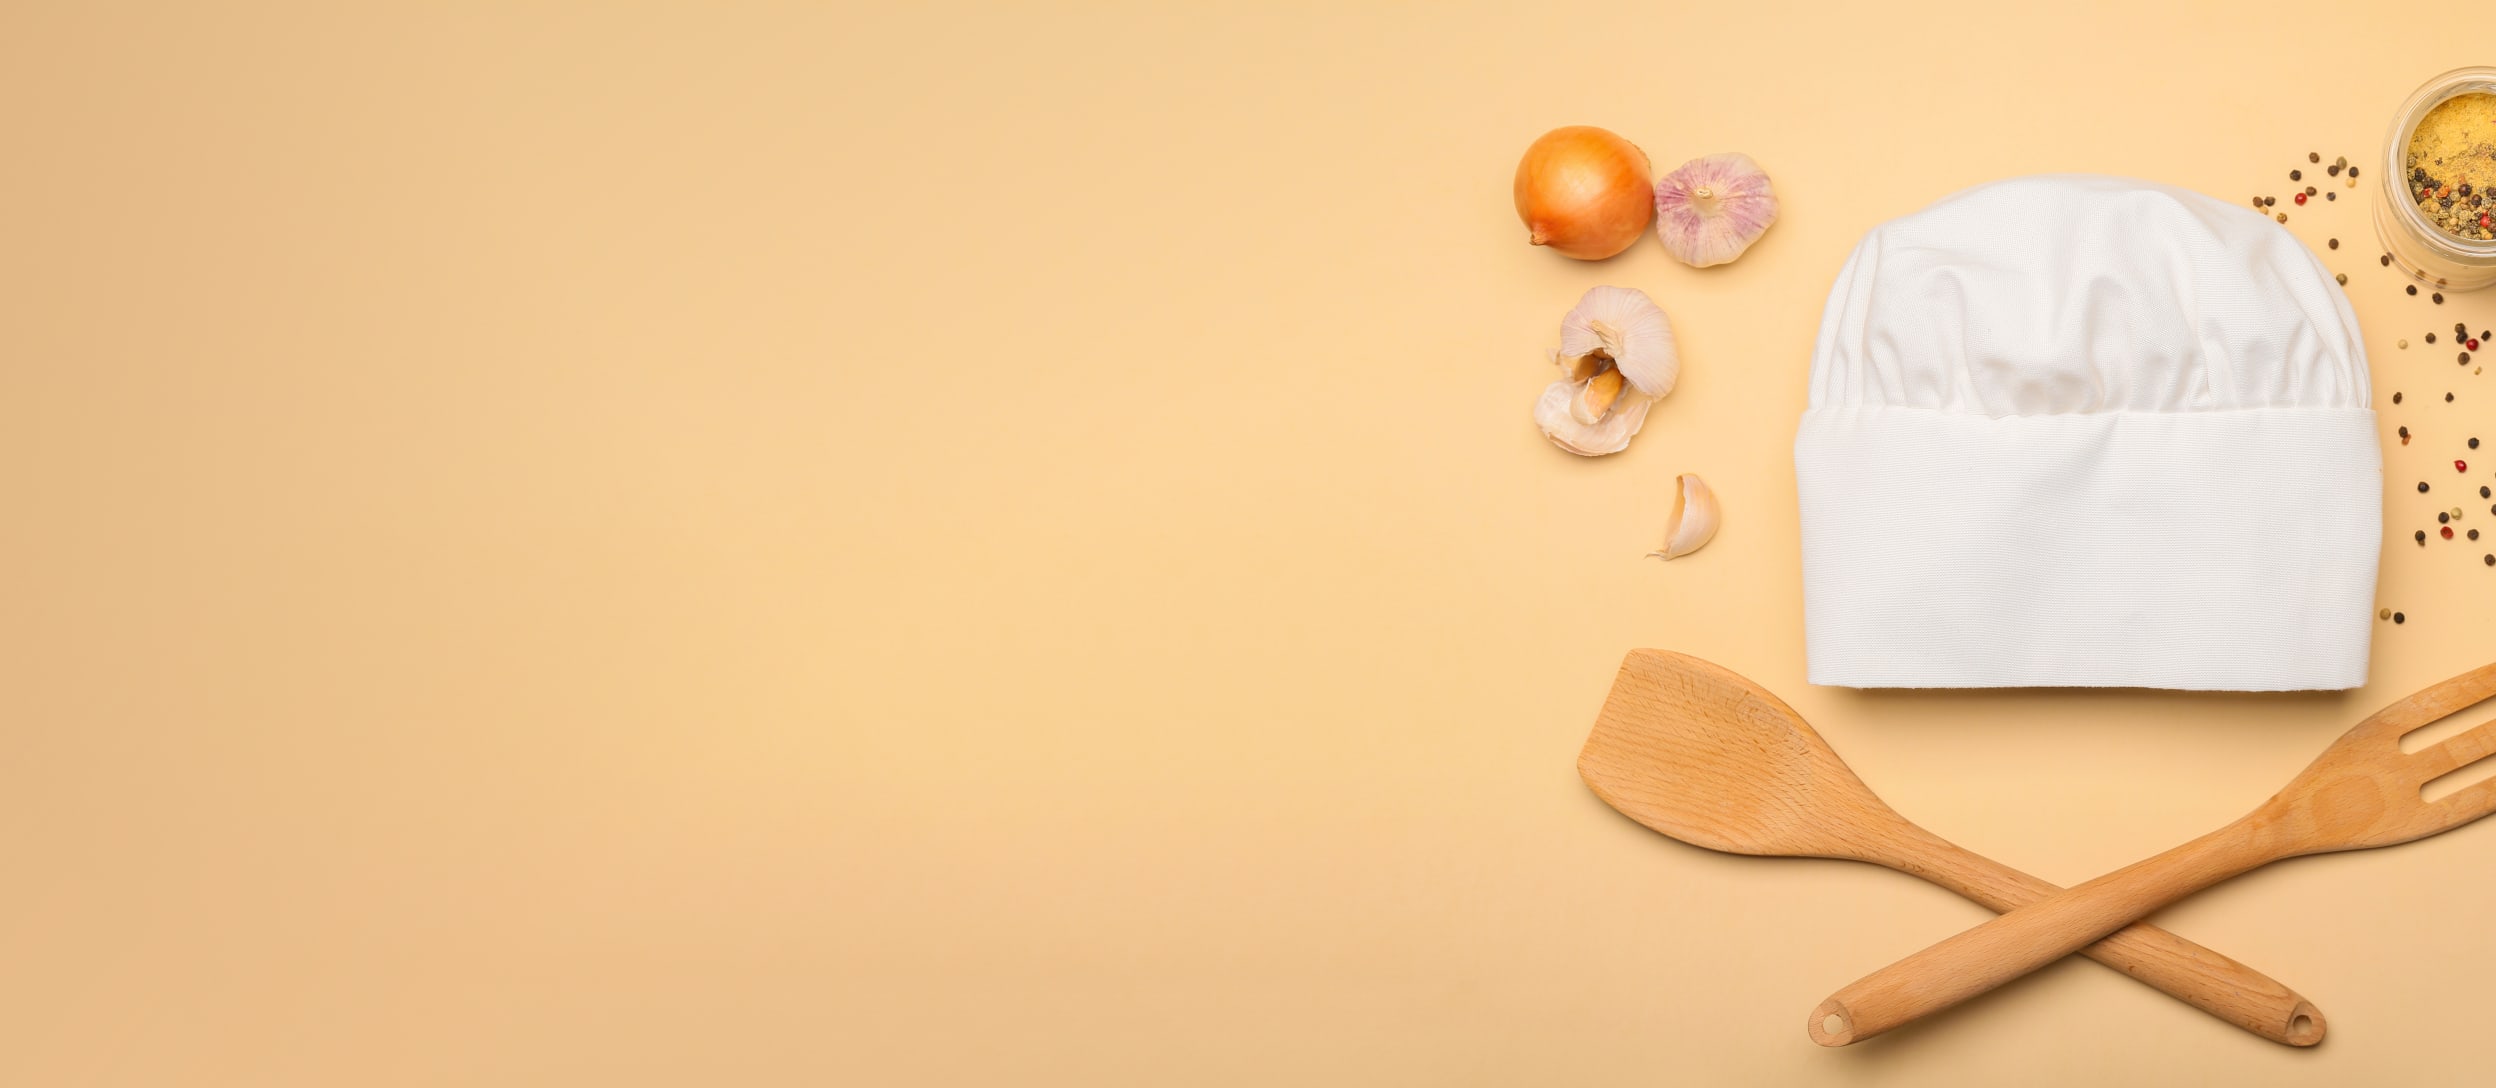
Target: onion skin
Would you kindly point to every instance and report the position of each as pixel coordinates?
(1585, 192)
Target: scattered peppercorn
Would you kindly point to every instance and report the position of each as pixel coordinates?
(2439, 298)
(2490, 560)
(2269, 201)
(2483, 493)
(2387, 260)
(2464, 360)
(2296, 175)
(2422, 538)
(2310, 190)
(2396, 398)
(2383, 613)
(2460, 465)
(2283, 217)
(2474, 443)
(2472, 534)
(2335, 243)
(2448, 398)
(2472, 343)
(2422, 487)
(2402, 344)
(2398, 618)
(2331, 196)
(2352, 173)
(2430, 338)
(2446, 532)
(2341, 278)
(2312, 156)
(2301, 198)
(2443, 517)
(2413, 288)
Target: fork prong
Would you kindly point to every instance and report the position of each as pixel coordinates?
(2457, 751)
(2433, 704)
(2475, 797)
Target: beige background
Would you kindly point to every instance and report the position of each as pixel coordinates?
(737, 544)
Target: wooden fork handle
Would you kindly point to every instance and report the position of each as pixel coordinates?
(2183, 970)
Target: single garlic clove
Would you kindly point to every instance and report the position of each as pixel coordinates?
(1555, 413)
(1595, 398)
(1625, 326)
(1578, 368)
(1692, 521)
(1712, 208)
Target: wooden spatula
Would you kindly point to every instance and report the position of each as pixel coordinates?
(2362, 792)
(1705, 756)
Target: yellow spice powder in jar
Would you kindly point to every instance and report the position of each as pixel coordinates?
(2452, 160)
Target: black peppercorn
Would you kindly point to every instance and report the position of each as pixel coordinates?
(2430, 338)
(2474, 443)
(2387, 260)
(2448, 398)
(2483, 493)
(2490, 560)
(2310, 190)
(2474, 534)
(2396, 398)
(2399, 618)
(2331, 195)
(2413, 288)
(2333, 170)
(2352, 171)
(2335, 243)
(2442, 518)
(2422, 538)
(2464, 360)
(2439, 298)
(2422, 487)
(2404, 431)
(2296, 175)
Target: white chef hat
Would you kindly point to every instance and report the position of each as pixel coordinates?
(2079, 431)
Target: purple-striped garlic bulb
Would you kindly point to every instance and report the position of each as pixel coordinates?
(1712, 208)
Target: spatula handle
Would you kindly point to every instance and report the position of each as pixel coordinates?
(2181, 969)
(2041, 932)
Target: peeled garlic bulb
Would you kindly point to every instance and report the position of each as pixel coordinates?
(1623, 327)
(1616, 357)
(1692, 521)
(1711, 209)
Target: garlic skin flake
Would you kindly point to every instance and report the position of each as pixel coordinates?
(1712, 208)
(1616, 357)
(1692, 522)
(1556, 413)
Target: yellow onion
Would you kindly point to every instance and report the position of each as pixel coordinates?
(1585, 192)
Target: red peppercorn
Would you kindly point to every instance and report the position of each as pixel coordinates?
(2461, 466)
(2447, 531)
(2472, 343)
(2300, 198)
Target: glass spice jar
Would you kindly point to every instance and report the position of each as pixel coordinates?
(2418, 247)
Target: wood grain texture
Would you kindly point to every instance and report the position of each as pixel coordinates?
(2362, 792)
(1703, 755)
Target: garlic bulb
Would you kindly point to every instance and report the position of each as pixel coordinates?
(1711, 209)
(1692, 521)
(1616, 357)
